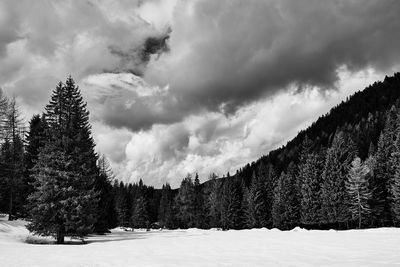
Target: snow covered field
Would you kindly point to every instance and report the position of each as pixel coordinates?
(258, 247)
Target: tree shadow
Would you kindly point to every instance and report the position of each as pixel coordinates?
(128, 235)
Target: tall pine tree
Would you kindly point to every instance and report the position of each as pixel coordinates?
(213, 202)
(165, 211)
(185, 201)
(333, 190)
(358, 190)
(384, 170)
(311, 171)
(231, 205)
(65, 202)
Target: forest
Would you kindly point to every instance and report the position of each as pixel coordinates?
(342, 172)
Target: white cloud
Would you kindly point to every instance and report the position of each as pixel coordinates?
(211, 142)
(244, 59)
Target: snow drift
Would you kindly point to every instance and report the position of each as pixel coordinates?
(193, 247)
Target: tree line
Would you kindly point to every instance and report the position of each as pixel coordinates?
(342, 172)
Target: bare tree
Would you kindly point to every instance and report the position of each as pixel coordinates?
(357, 188)
(13, 132)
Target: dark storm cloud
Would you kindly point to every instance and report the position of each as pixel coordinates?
(225, 54)
(216, 55)
(134, 60)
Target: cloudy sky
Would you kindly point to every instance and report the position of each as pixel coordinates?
(178, 86)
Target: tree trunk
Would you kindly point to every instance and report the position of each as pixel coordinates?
(60, 235)
(10, 207)
(60, 239)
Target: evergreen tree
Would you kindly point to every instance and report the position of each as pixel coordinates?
(394, 181)
(278, 206)
(358, 190)
(35, 140)
(165, 214)
(256, 209)
(121, 204)
(64, 184)
(266, 174)
(231, 206)
(140, 218)
(249, 206)
(185, 201)
(5, 164)
(334, 196)
(106, 214)
(61, 204)
(13, 165)
(213, 202)
(198, 204)
(305, 151)
(384, 170)
(311, 172)
(285, 210)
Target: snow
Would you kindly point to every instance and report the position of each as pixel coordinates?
(194, 247)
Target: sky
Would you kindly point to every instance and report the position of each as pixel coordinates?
(178, 86)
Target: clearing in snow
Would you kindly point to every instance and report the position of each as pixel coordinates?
(193, 247)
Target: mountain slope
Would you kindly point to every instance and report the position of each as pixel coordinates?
(363, 107)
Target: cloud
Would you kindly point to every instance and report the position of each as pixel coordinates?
(212, 142)
(211, 55)
(226, 54)
(223, 55)
(126, 101)
(181, 86)
(43, 42)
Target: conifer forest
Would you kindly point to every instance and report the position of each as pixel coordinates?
(342, 172)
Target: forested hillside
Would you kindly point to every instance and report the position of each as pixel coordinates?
(342, 172)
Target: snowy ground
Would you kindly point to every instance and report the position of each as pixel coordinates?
(258, 247)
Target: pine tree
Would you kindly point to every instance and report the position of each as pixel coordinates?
(266, 174)
(106, 214)
(165, 214)
(199, 210)
(35, 140)
(213, 202)
(121, 204)
(256, 210)
(12, 127)
(394, 182)
(140, 217)
(278, 206)
(249, 206)
(231, 206)
(185, 201)
(71, 171)
(5, 170)
(358, 190)
(61, 205)
(311, 172)
(395, 192)
(384, 170)
(285, 210)
(334, 196)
